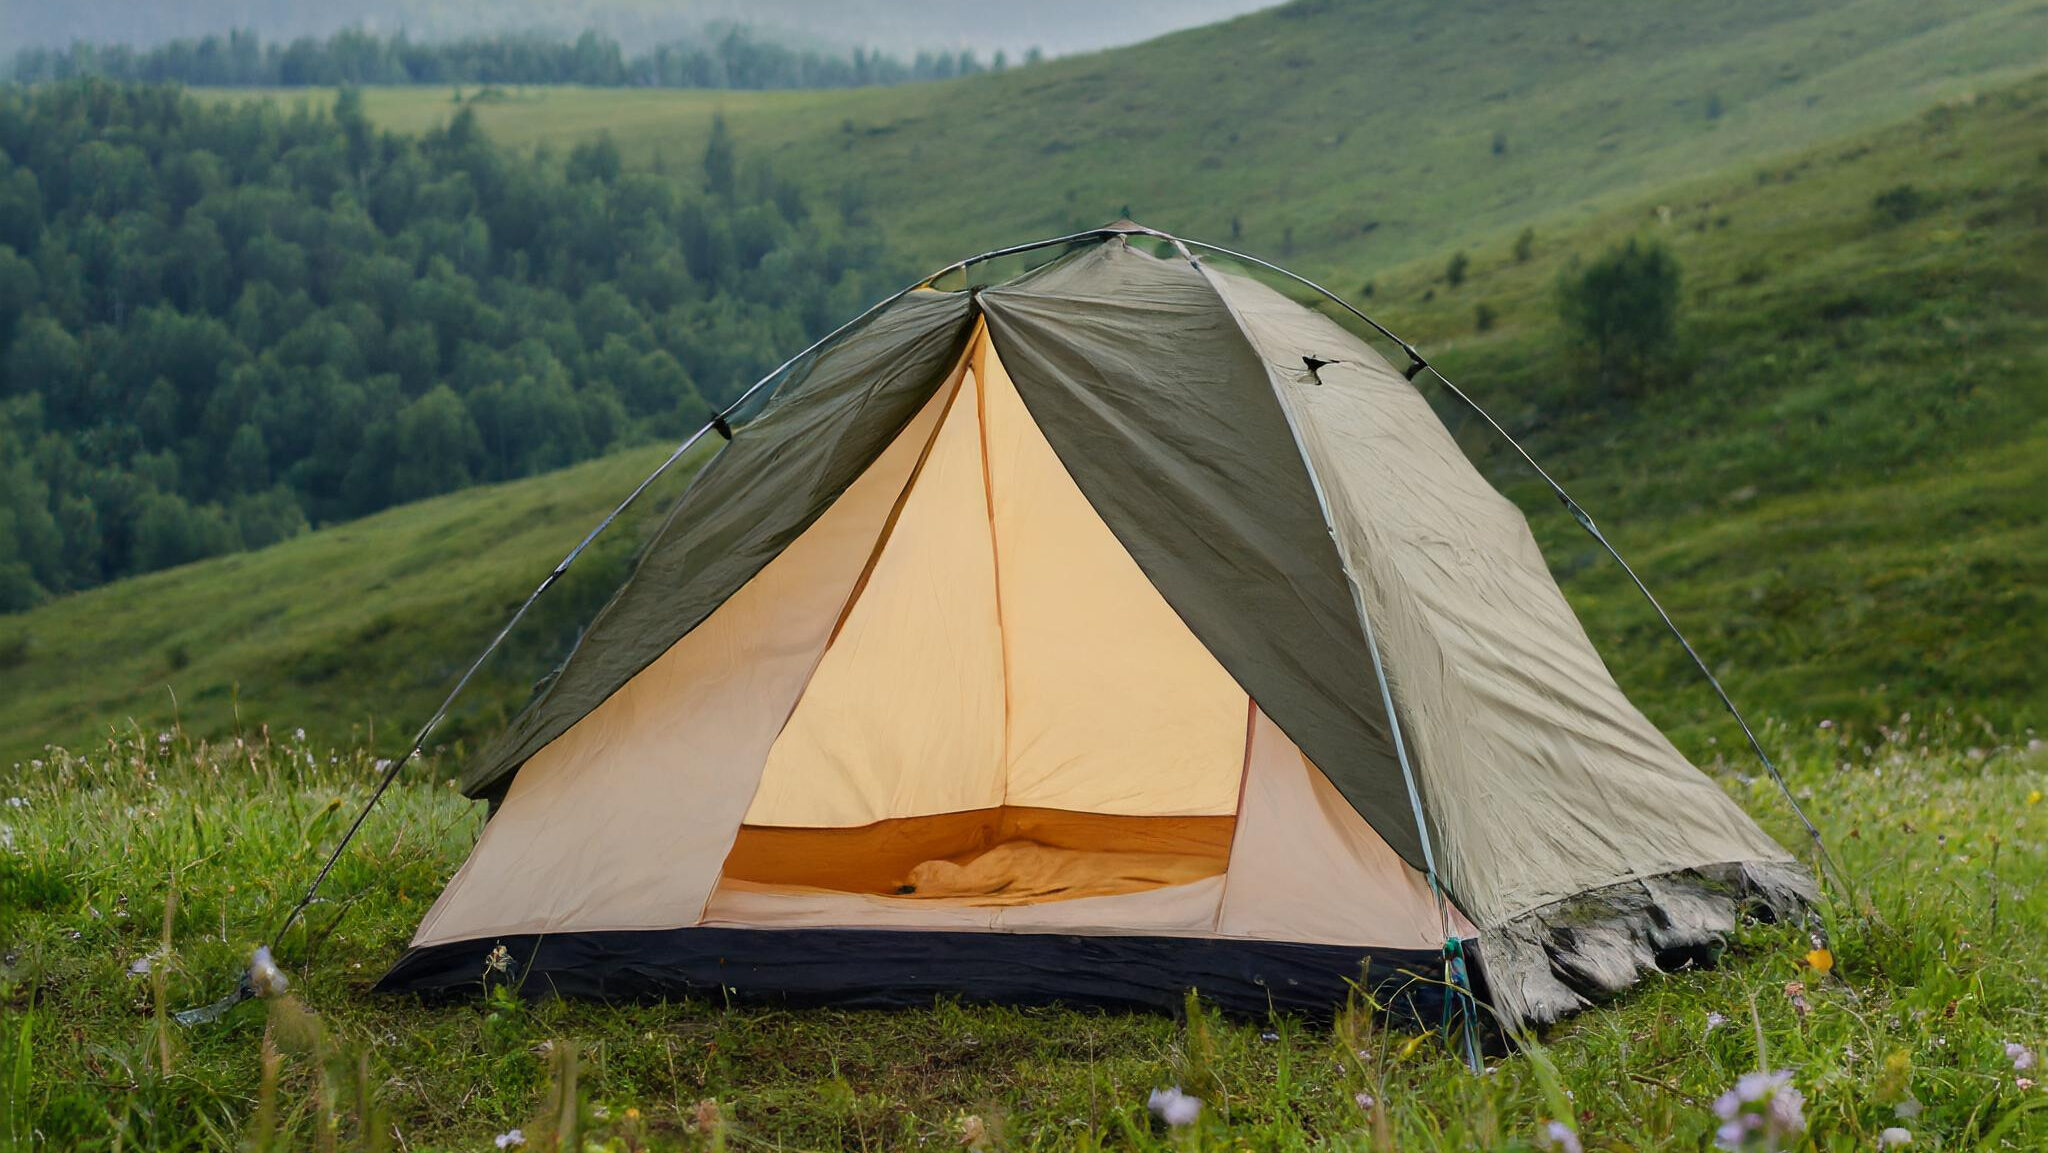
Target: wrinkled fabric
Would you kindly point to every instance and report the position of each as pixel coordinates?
(1540, 778)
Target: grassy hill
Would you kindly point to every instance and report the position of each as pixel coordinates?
(1346, 135)
(1843, 503)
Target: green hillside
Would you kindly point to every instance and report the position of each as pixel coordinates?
(1843, 502)
(1344, 134)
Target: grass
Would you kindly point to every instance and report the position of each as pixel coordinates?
(1344, 135)
(154, 847)
(1840, 499)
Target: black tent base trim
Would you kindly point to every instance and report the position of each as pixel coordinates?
(893, 968)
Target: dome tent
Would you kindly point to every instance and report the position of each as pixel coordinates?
(1121, 628)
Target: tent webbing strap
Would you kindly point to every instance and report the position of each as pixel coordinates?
(1418, 364)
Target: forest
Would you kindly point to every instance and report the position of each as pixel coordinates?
(222, 323)
(728, 57)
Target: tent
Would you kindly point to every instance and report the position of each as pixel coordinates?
(1121, 628)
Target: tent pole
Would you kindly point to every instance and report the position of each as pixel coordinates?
(719, 422)
(1417, 364)
(1457, 982)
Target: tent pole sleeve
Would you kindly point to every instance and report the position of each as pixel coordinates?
(1459, 988)
(1417, 363)
(1372, 646)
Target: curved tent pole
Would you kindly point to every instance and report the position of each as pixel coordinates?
(1417, 364)
(1458, 984)
(719, 422)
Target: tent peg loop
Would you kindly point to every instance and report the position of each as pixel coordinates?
(719, 425)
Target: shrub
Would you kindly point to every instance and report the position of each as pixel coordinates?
(1525, 246)
(1454, 272)
(1898, 204)
(1483, 318)
(1621, 312)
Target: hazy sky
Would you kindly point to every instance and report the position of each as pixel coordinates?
(1058, 26)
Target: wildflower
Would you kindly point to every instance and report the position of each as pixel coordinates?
(1822, 960)
(1174, 1107)
(141, 966)
(269, 981)
(1761, 1112)
(2023, 1083)
(1795, 992)
(1894, 1137)
(1715, 1021)
(1908, 1109)
(708, 1118)
(973, 1131)
(299, 735)
(1827, 724)
(1365, 1100)
(2022, 1058)
(17, 802)
(1559, 1136)
(511, 1139)
(2034, 798)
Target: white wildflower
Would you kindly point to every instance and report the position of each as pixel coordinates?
(264, 976)
(1174, 1107)
(1894, 1137)
(1715, 1021)
(141, 966)
(1908, 1109)
(299, 735)
(511, 1139)
(1559, 1136)
(1762, 1112)
(2022, 1058)
(17, 802)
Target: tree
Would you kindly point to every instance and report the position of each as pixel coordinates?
(1621, 312)
(720, 166)
(1454, 272)
(1525, 246)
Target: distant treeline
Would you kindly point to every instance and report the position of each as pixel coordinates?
(732, 58)
(222, 322)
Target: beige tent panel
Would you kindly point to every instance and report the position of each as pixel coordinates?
(1560, 784)
(1306, 866)
(1005, 649)
(904, 716)
(1115, 707)
(624, 821)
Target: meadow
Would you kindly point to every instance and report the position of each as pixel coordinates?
(138, 874)
(1840, 499)
(1335, 134)
(1838, 493)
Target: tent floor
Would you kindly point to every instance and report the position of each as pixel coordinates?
(890, 968)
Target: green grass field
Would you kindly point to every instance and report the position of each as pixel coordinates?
(1344, 135)
(152, 849)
